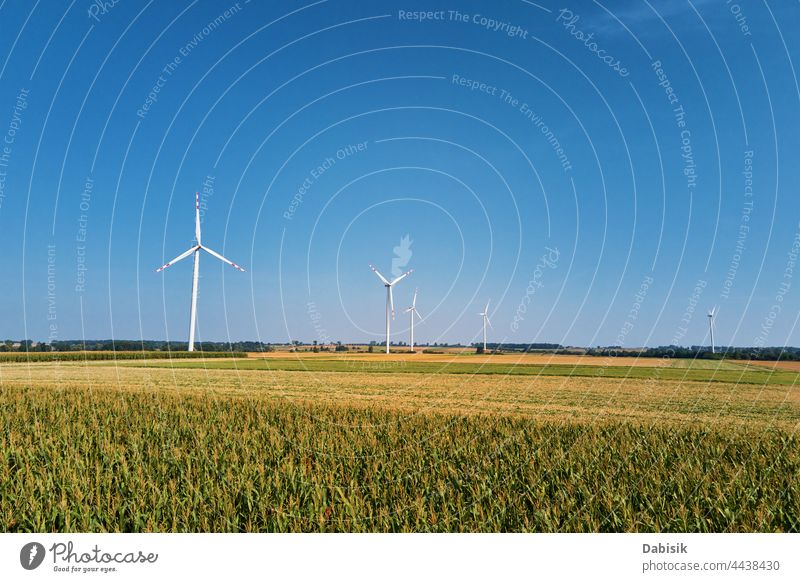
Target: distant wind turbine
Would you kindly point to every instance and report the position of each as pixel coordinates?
(711, 315)
(413, 311)
(196, 251)
(485, 316)
(389, 299)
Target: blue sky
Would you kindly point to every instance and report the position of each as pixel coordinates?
(325, 132)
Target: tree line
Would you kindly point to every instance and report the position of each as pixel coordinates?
(772, 353)
(131, 346)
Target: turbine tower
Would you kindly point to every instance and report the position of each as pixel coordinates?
(195, 250)
(389, 299)
(485, 316)
(711, 315)
(413, 311)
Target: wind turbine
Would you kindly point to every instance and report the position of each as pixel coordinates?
(389, 299)
(195, 250)
(413, 311)
(485, 316)
(711, 315)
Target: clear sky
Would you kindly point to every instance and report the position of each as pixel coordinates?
(605, 172)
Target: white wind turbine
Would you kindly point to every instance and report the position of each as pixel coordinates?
(196, 251)
(413, 311)
(485, 316)
(711, 315)
(389, 299)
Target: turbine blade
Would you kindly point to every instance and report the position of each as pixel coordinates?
(197, 217)
(403, 276)
(414, 301)
(391, 300)
(417, 313)
(487, 307)
(180, 257)
(489, 322)
(221, 258)
(381, 277)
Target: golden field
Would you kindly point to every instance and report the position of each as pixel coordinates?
(157, 446)
(571, 399)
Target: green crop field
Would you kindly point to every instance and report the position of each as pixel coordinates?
(254, 445)
(697, 372)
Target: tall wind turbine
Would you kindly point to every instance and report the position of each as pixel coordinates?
(711, 315)
(195, 250)
(389, 299)
(485, 316)
(413, 311)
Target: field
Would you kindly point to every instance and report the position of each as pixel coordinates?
(323, 442)
(452, 355)
(793, 366)
(569, 366)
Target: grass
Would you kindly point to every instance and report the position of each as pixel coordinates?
(94, 447)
